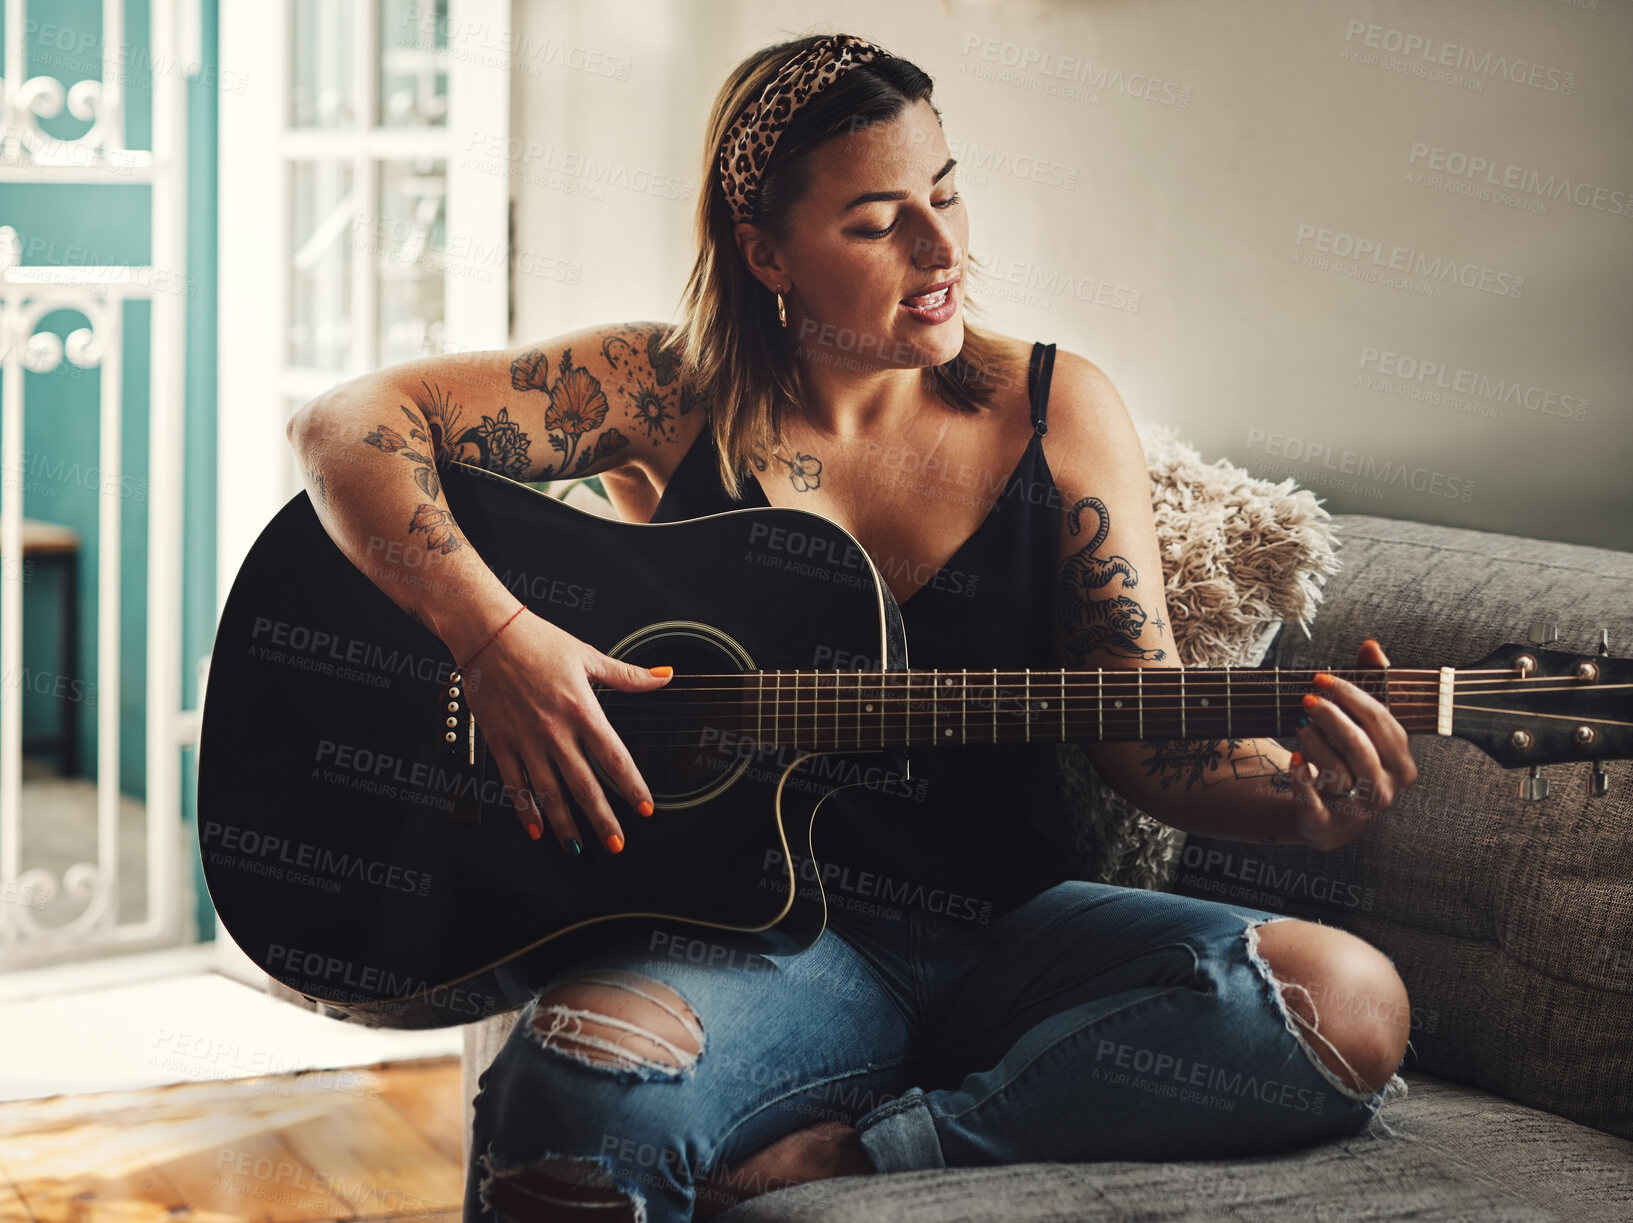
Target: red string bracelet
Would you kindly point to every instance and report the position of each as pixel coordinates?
(520, 608)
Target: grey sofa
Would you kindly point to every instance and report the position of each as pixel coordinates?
(1510, 921)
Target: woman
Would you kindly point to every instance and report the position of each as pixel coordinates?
(999, 1011)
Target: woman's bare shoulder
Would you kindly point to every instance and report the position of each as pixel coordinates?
(1092, 444)
(1080, 393)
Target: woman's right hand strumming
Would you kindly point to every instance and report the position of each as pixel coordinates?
(602, 401)
(530, 693)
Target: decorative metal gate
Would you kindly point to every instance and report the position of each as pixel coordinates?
(85, 894)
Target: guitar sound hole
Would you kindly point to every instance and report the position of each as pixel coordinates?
(687, 738)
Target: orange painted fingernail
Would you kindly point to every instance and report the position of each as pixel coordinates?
(1323, 679)
(663, 672)
(1311, 700)
(1296, 761)
(615, 842)
(644, 806)
(534, 831)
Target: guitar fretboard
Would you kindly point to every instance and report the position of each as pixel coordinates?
(853, 709)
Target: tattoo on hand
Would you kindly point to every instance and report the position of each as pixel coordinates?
(1088, 623)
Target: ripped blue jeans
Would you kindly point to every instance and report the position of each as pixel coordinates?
(1093, 1022)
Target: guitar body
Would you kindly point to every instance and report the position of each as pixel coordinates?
(363, 859)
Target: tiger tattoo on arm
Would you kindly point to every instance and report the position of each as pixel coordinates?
(1089, 620)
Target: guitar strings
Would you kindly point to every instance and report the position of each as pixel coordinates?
(1018, 715)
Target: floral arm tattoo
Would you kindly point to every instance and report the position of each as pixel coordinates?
(441, 533)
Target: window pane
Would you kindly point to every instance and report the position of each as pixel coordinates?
(413, 63)
(321, 215)
(410, 245)
(320, 63)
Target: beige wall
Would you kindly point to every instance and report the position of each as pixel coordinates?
(1259, 219)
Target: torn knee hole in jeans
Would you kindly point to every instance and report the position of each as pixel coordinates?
(557, 1186)
(619, 1021)
(1298, 1011)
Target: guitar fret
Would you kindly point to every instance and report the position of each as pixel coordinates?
(1278, 702)
(995, 704)
(1063, 704)
(1139, 700)
(858, 718)
(1228, 707)
(935, 697)
(836, 707)
(1028, 699)
(759, 711)
(964, 707)
(1100, 700)
(1182, 703)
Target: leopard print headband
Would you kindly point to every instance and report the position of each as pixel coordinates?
(748, 145)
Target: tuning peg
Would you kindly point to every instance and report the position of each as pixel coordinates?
(1534, 786)
(1598, 780)
(1544, 631)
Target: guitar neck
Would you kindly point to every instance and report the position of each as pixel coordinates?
(858, 710)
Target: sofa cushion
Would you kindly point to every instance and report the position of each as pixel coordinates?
(1448, 1153)
(1511, 922)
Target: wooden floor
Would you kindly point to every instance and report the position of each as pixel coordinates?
(380, 1142)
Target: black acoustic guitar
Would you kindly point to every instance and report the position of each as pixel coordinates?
(360, 846)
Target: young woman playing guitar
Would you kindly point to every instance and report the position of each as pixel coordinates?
(971, 1003)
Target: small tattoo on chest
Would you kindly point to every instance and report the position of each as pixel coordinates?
(804, 471)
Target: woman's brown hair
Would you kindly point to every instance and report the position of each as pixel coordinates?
(735, 357)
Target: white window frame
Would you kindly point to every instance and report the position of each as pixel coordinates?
(256, 470)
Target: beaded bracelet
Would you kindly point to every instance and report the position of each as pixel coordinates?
(520, 608)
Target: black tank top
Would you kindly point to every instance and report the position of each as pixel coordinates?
(984, 828)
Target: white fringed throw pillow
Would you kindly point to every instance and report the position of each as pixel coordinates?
(1240, 557)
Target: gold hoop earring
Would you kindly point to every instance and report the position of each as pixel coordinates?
(782, 311)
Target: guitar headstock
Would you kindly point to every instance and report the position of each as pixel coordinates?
(1525, 705)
